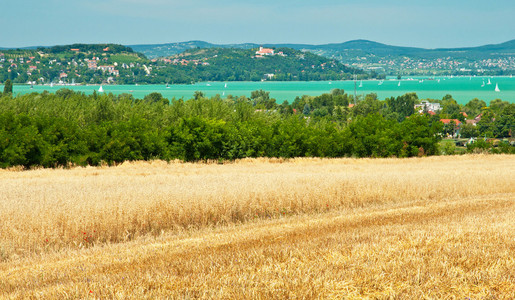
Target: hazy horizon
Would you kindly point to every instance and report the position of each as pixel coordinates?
(247, 42)
(422, 24)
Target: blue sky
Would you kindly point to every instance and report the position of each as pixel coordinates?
(417, 23)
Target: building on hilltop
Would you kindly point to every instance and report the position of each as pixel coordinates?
(265, 51)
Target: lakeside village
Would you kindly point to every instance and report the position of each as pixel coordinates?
(432, 66)
(74, 66)
(29, 69)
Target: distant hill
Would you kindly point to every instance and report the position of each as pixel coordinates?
(392, 60)
(355, 46)
(77, 63)
(234, 64)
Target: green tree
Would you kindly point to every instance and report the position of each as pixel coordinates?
(8, 87)
(156, 98)
(403, 106)
(198, 95)
(306, 109)
(474, 106)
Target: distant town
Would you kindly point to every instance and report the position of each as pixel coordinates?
(436, 66)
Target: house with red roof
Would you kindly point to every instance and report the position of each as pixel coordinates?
(475, 120)
(92, 64)
(265, 51)
(448, 121)
(457, 125)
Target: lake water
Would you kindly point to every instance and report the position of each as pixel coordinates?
(463, 89)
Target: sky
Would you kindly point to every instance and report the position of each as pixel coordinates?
(415, 23)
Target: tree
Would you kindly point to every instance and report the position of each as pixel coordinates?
(474, 106)
(403, 106)
(261, 99)
(198, 95)
(306, 109)
(8, 87)
(155, 98)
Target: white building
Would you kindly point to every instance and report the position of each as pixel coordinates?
(428, 106)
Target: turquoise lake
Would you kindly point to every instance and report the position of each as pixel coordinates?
(463, 89)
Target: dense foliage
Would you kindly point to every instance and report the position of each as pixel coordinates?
(73, 128)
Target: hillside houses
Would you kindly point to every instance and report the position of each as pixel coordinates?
(92, 64)
(109, 69)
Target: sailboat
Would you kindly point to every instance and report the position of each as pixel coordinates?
(497, 87)
(361, 83)
(225, 85)
(167, 86)
(101, 90)
(381, 82)
(489, 81)
(483, 84)
(399, 84)
(51, 84)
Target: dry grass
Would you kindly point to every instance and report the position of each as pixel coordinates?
(439, 227)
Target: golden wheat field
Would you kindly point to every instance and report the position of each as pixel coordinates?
(432, 227)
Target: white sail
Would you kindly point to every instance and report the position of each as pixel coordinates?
(225, 85)
(101, 90)
(489, 81)
(497, 88)
(399, 84)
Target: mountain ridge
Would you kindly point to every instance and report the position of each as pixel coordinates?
(372, 47)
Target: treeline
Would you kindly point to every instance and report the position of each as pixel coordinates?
(73, 128)
(96, 48)
(497, 120)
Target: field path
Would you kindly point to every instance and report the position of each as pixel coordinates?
(369, 252)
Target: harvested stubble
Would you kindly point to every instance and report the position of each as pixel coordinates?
(423, 227)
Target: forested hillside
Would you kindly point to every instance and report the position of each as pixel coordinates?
(221, 64)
